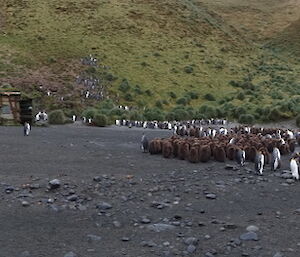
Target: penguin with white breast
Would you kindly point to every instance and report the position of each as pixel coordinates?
(259, 162)
(276, 159)
(294, 165)
(240, 157)
(26, 129)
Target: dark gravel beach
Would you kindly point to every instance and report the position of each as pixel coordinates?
(112, 200)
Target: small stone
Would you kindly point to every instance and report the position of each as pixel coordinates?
(55, 183)
(25, 254)
(229, 167)
(249, 236)
(207, 237)
(145, 221)
(278, 254)
(191, 248)
(252, 228)
(160, 227)
(191, 241)
(117, 224)
(104, 206)
(70, 254)
(93, 237)
(72, 198)
(297, 211)
(9, 189)
(211, 196)
(97, 179)
(125, 239)
(25, 203)
(230, 226)
(166, 243)
(34, 186)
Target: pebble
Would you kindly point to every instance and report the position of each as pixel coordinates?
(9, 189)
(252, 228)
(191, 241)
(159, 227)
(104, 206)
(191, 248)
(93, 237)
(278, 254)
(70, 254)
(25, 203)
(72, 198)
(145, 221)
(125, 239)
(210, 196)
(55, 183)
(117, 224)
(25, 254)
(249, 236)
(230, 226)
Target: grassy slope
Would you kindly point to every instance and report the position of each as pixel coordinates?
(148, 42)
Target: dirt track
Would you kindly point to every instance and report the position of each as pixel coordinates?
(142, 190)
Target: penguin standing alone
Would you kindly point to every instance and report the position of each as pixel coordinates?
(144, 143)
(259, 162)
(26, 129)
(276, 163)
(240, 157)
(294, 165)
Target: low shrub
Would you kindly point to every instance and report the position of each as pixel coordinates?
(57, 117)
(246, 119)
(100, 120)
(209, 97)
(298, 120)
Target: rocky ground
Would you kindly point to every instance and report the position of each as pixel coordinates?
(106, 198)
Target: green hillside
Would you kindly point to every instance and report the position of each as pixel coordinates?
(164, 53)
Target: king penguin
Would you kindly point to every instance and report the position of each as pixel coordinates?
(294, 165)
(259, 162)
(240, 157)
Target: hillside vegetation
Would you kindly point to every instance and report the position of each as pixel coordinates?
(174, 55)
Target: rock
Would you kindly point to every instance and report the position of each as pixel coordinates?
(34, 186)
(286, 175)
(72, 198)
(125, 239)
(145, 221)
(9, 189)
(290, 181)
(252, 228)
(104, 206)
(229, 167)
(70, 254)
(148, 243)
(93, 237)
(25, 254)
(55, 183)
(207, 237)
(278, 254)
(210, 196)
(117, 224)
(191, 241)
(159, 227)
(297, 211)
(249, 236)
(97, 179)
(230, 226)
(191, 248)
(25, 203)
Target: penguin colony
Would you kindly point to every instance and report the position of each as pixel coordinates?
(171, 125)
(260, 146)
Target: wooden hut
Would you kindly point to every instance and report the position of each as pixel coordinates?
(14, 109)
